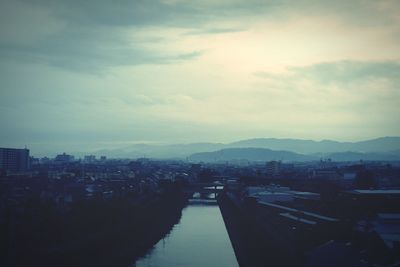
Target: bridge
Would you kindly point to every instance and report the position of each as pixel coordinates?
(208, 190)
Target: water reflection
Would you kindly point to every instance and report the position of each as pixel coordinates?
(200, 239)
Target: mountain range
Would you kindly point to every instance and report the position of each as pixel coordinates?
(384, 148)
(265, 154)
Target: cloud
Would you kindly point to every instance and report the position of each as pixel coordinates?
(87, 36)
(201, 70)
(90, 57)
(341, 72)
(214, 31)
(93, 35)
(360, 93)
(350, 71)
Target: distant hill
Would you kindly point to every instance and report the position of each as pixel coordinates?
(324, 148)
(160, 151)
(250, 154)
(383, 144)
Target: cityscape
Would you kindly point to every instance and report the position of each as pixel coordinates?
(192, 133)
(99, 211)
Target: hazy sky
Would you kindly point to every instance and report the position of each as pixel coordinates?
(97, 73)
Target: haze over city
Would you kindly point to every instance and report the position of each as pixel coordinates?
(87, 75)
(176, 133)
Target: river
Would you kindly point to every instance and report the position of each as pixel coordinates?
(199, 239)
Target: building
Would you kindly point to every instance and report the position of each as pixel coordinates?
(64, 158)
(13, 159)
(273, 168)
(89, 158)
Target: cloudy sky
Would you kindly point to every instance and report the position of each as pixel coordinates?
(98, 73)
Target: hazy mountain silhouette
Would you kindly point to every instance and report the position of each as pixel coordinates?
(382, 147)
(250, 154)
(383, 144)
(160, 151)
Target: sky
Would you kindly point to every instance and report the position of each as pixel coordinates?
(84, 75)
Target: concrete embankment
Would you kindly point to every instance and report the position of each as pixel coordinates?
(253, 240)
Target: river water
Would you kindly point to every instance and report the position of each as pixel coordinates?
(199, 239)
